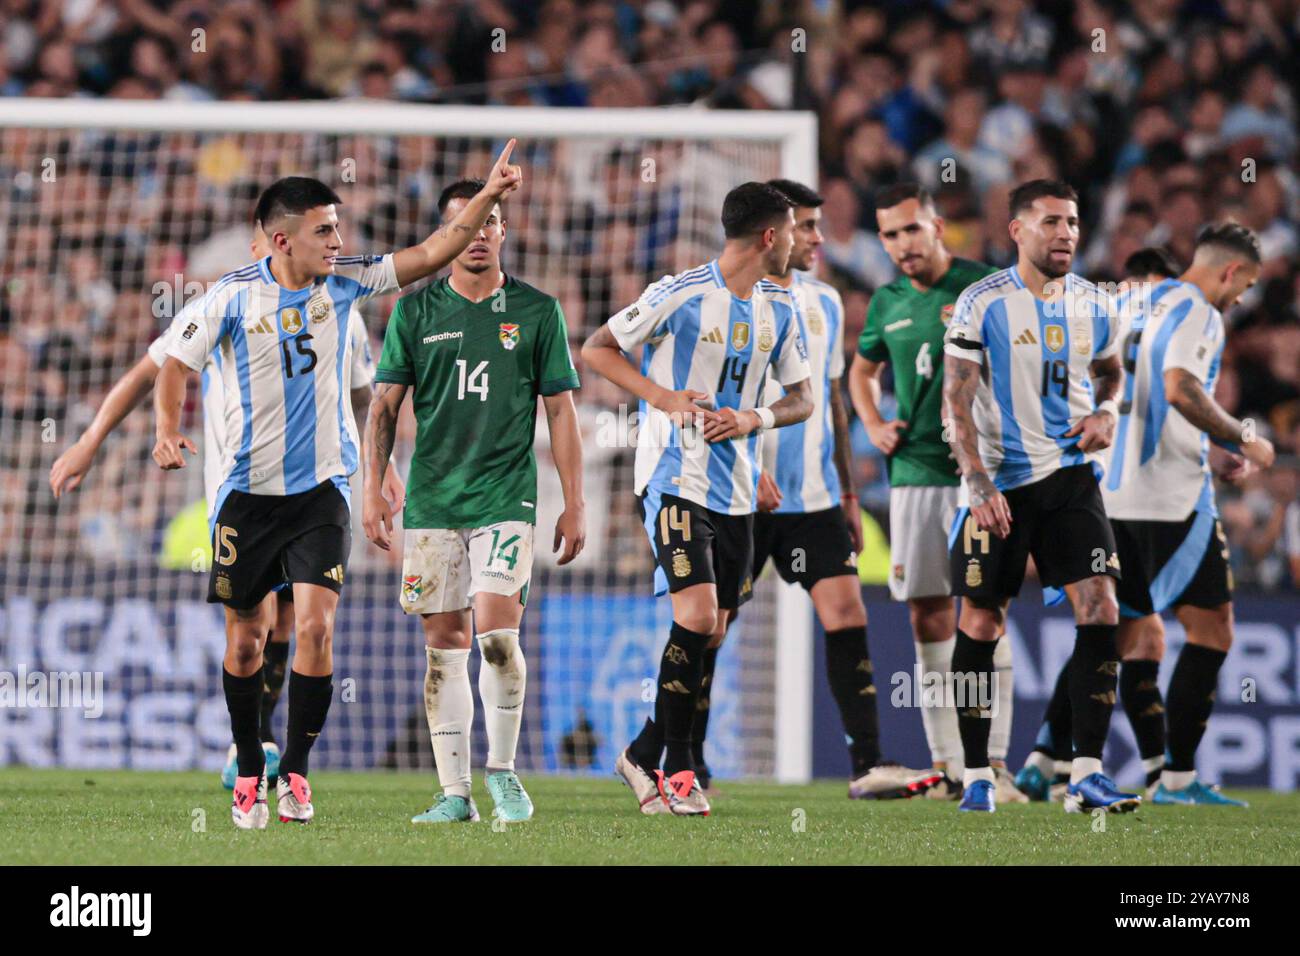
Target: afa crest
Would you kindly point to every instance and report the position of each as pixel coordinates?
(974, 574)
(291, 321)
(318, 310)
(509, 335)
(681, 564)
(816, 324)
(1081, 336)
(1054, 337)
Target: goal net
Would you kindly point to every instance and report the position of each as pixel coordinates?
(115, 214)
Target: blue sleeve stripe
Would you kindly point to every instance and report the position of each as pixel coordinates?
(1157, 402)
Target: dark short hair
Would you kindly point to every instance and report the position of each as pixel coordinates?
(1231, 237)
(1024, 195)
(797, 193)
(751, 208)
(292, 196)
(891, 195)
(460, 189)
(1153, 260)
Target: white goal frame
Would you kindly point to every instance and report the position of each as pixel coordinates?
(794, 132)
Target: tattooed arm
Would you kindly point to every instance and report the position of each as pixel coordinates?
(1188, 395)
(961, 379)
(844, 464)
(381, 433)
(1097, 430)
(451, 238)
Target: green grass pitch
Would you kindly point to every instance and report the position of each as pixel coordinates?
(108, 817)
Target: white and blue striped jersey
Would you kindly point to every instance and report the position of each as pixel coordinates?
(697, 335)
(362, 373)
(1159, 467)
(1035, 382)
(284, 358)
(801, 457)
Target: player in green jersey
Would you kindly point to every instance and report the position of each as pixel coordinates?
(476, 349)
(904, 327)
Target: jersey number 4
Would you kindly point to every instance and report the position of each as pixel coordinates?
(475, 383)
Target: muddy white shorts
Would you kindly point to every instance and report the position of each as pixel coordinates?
(920, 518)
(443, 568)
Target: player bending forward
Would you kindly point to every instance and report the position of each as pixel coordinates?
(710, 335)
(812, 531)
(282, 511)
(1027, 428)
(476, 349)
(1172, 548)
(128, 392)
(905, 327)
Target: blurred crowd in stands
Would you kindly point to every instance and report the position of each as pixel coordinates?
(1164, 115)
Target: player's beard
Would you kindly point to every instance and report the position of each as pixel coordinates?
(1047, 268)
(477, 268)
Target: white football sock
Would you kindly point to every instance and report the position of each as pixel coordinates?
(971, 774)
(940, 722)
(449, 705)
(501, 683)
(1082, 767)
(1045, 764)
(1152, 764)
(1000, 731)
(1177, 779)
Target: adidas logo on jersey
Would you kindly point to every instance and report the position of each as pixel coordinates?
(1026, 338)
(335, 573)
(714, 335)
(261, 325)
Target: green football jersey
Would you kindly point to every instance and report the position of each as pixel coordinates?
(905, 328)
(476, 369)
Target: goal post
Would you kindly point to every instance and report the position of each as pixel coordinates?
(119, 210)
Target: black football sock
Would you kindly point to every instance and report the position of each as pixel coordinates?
(309, 702)
(972, 670)
(648, 748)
(1094, 671)
(275, 658)
(700, 728)
(680, 671)
(1054, 736)
(848, 667)
(243, 700)
(1140, 695)
(1191, 698)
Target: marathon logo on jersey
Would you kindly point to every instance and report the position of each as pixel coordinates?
(440, 337)
(291, 321)
(1054, 337)
(509, 335)
(74, 909)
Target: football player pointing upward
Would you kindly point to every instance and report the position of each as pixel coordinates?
(282, 506)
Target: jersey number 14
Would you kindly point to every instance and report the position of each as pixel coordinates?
(473, 383)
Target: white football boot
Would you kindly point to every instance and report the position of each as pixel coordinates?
(248, 808)
(293, 799)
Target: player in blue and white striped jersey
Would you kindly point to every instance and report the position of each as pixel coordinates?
(130, 390)
(710, 336)
(1172, 548)
(280, 326)
(1026, 427)
(809, 523)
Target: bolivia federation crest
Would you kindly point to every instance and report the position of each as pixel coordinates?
(412, 587)
(508, 333)
(945, 314)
